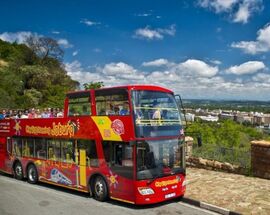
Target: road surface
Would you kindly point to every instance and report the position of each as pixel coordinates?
(21, 198)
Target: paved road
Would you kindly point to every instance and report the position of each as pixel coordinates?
(19, 197)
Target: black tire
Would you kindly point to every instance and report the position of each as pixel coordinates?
(18, 171)
(32, 174)
(100, 189)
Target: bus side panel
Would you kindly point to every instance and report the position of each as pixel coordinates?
(2, 152)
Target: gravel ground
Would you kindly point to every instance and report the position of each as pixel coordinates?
(242, 194)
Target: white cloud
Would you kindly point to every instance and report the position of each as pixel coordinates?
(193, 67)
(246, 8)
(64, 43)
(146, 33)
(249, 67)
(216, 62)
(18, 37)
(262, 77)
(118, 68)
(185, 78)
(262, 43)
(143, 14)
(75, 70)
(111, 74)
(75, 53)
(237, 10)
(89, 22)
(242, 14)
(217, 5)
(154, 34)
(55, 32)
(156, 63)
(169, 31)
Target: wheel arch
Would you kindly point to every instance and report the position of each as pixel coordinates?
(14, 163)
(28, 164)
(13, 168)
(91, 181)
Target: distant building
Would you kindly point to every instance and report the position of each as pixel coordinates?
(209, 118)
(190, 117)
(244, 118)
(226, 116)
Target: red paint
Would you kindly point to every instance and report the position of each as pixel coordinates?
(83, 127)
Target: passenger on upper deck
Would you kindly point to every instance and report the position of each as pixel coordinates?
(157, 111)
(3, 114)
(125, 109)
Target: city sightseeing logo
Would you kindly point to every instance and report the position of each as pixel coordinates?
(118, 127)
(57, 129)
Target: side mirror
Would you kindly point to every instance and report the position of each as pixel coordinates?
(181, 107)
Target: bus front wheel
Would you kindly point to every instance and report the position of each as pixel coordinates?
(32, 174)
(18, 171)
(100, 190)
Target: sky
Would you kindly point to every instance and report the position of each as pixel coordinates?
(201, 49)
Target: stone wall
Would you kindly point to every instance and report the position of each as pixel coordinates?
(260, 159)
(214, 165)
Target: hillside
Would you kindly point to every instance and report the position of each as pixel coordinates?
(30, 78)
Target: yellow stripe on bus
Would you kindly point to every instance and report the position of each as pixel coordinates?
(104, 126)
(82, 167)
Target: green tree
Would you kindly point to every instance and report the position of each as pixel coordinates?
(93, 85)
(45, 48)
(33, 76)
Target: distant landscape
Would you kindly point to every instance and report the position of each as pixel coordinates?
(241, 105)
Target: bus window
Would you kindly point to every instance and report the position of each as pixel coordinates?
(17, 147)
(67, 151)
(91, 151)
(118, 156)
(54, 150)
(113, 102)
(79, 106)
(40, 148)
(28, 147)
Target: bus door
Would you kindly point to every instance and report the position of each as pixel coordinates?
(2, 152)
(86, 158)
(119, 159)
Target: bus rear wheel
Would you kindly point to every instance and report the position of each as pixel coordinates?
(18, 171)
(32, 174)
(100, 190)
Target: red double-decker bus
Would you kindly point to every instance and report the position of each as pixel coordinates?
(123, 143)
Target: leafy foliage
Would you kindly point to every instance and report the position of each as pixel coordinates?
(226, 133)
(93, 85)
(225, 141)
(33, 75)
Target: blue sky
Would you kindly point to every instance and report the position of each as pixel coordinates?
(212, 49)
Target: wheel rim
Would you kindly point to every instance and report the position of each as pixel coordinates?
(18, 170)
(99, 188)
(32, 174)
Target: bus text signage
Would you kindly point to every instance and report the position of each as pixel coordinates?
(56, 130)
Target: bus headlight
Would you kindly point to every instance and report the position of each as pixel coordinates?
(145, 191)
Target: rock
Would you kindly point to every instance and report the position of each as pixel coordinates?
(210, 163)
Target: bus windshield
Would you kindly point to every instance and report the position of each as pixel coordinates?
(156, 114)
(159, 158)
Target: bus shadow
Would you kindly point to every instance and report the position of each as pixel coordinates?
(141, 207)
(86, 195)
